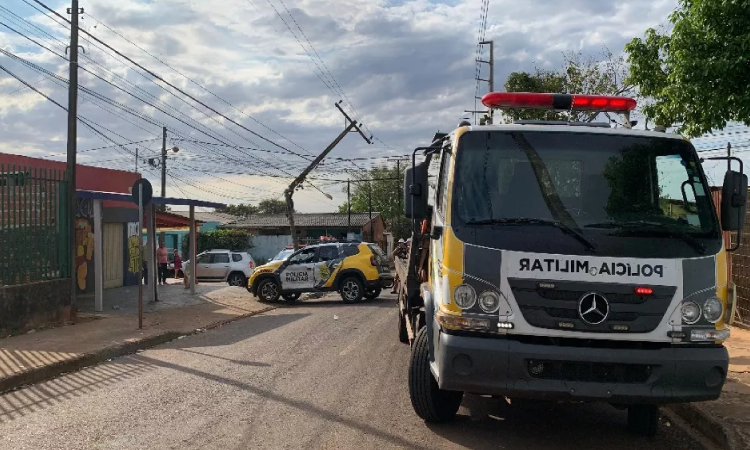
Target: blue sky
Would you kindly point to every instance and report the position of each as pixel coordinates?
(406, 67)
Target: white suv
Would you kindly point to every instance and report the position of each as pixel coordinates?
(224, 265)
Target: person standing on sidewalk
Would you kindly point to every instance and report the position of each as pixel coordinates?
(177, 264)
(162, 258)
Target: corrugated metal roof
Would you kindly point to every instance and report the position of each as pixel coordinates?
(323, 220)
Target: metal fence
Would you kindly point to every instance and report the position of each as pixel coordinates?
(741, 273)
(34, 225)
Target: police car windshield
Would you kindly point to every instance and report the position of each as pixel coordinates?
(604, 186)
(283, 255)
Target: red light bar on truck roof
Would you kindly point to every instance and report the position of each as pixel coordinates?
(562, 102)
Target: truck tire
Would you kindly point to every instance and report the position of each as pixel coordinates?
(643, 419)
(431, 403)
(268, 290)
(403, 335)
(352, 290)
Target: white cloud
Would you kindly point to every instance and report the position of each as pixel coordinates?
(407, 67)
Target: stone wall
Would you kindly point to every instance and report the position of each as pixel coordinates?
(27, 306)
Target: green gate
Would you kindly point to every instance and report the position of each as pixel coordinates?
(34, 224)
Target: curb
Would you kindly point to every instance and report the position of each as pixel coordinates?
(48, 372)
(706, 424)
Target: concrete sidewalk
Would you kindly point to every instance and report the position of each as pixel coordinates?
(727, 420)
(37, 356)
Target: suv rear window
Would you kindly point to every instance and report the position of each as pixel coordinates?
(236, 257)
(220, 258)
(351, 249)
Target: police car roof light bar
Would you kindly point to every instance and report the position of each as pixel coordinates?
(561, 102)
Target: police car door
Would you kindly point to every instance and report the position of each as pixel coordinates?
(298, 274)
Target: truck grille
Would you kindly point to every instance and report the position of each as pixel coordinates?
(588, 372)
(549, 307)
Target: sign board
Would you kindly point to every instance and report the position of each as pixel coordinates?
(148, 191)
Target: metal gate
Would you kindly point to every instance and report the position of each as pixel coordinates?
(113, 253)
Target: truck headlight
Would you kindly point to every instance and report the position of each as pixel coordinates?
(465, 296)
(691, 312)
(713, 309)
(489, 301)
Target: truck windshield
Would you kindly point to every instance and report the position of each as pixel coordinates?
(605, 194)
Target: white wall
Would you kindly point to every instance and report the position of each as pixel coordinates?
(266, 247)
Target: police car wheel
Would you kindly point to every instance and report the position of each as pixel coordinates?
(352, 290)
(374, 293)
(643, 419)
(431, 403)
(268, 290)
(291, 297)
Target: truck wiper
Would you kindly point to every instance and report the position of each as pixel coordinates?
(648, 228)
(532, 221)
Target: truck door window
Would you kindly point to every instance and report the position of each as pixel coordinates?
(303, 257)
(442, 191)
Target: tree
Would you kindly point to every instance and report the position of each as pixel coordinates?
(272, 206)
(696, 75)
(240, 210)
(231, 239)
(385, 192)
(603, 74)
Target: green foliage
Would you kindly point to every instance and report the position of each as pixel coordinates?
(272, 206)
(387, 197)
(696, 75)
(603, 74)
(269, 206)
(240, 210)
(228, 239)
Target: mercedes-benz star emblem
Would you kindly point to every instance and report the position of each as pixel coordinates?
(593, 308)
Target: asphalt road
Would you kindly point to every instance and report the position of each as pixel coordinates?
(316, 375)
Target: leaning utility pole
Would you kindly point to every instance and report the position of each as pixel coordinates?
(289, 192)
(74, 11)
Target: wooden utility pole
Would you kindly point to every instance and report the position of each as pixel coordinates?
(164, 162)
(491, 79)
(74, 11)
(729, 155)
(349, 206)
(289, 192)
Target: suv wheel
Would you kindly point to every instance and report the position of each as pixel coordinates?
(291, 297)
(268, 290)
(352, 290)
(373, 293)
(236, 279)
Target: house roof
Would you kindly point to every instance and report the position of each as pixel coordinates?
(324, 220)
(205, 217)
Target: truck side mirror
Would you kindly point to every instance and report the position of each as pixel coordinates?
(416, 191)
(733, 201)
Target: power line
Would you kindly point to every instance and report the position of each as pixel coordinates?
(158, 77)
(196, 83)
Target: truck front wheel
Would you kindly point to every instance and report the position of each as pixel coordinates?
(430, 402)
(643, 419)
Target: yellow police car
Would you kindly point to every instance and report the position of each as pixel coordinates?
(355, 270)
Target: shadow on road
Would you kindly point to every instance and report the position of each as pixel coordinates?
(485, 422)
(337, 302)
(305, 407)
(22, 402)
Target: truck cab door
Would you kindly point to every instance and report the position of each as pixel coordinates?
(299, 271)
